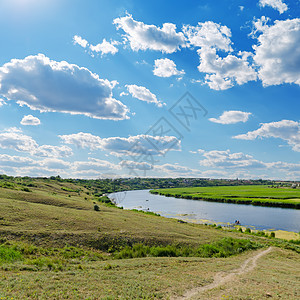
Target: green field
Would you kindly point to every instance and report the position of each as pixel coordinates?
(54, 245)
(244, 194)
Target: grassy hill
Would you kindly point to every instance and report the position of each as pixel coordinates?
(54, 245)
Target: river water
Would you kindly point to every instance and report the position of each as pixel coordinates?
(257, 217)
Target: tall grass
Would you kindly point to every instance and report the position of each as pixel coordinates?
(9, 254)
(223, 248)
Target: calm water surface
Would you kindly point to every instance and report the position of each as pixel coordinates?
(202, 211)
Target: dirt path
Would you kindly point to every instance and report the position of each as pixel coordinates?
(221, 278)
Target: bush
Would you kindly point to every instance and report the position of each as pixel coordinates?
(272, 234)
(248, 230)
(96, 207)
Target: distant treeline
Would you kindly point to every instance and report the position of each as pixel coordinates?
(105, 186)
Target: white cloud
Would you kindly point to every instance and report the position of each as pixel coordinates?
(143, 94)
(53, 151)
(133, 165)
(14, 139)
(172, 168)
(286, 130)
(209, 34)
(259, 25)
(46, 85)
(227, 71)
(133, 145)
(80, 41)
(142, 36)
(176, 170)
(226, 159)
(15, 161)
(166, 68)
(94, 164)
(232, 117)
(82, 140)
(54, 164)
(277, 54)
(105, 47)
(30, 120)
(225, 164)
(141, 144)
(276, 4)
(199, 151)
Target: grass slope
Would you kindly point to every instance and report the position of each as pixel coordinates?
(248, 194)
(53, 245)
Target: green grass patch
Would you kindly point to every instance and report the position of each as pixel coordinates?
(262, 195)
(9, 254)
(223, 248)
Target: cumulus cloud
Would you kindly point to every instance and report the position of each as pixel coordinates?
(277, 54)
(46, 85)
(226, 159)
(94, 164)
(14, 139)
(232, 117)
(80, 41)
(134, 165)
(198, 151)
(225, 72)
(105, 47)
(142, 36)
(166, 68)
(24, 166)
(53, 151)
(276, 4)
(286, 130)
(54, 164)
(82, 140)
(143, 94)
(227, 164)
(209, 34)
(30, 120)
(15, 161)
(133, 145)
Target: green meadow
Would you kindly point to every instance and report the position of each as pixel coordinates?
(264, 195)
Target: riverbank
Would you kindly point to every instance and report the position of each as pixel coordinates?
(260, 195)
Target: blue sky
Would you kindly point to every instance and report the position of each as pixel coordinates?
(95, 89)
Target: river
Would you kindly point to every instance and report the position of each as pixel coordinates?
(257, 217)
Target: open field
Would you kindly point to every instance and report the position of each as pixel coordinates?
(248, 194)
(54, 245)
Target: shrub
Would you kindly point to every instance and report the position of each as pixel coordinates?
(272, 234)
(248, 230)
(96, 207)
